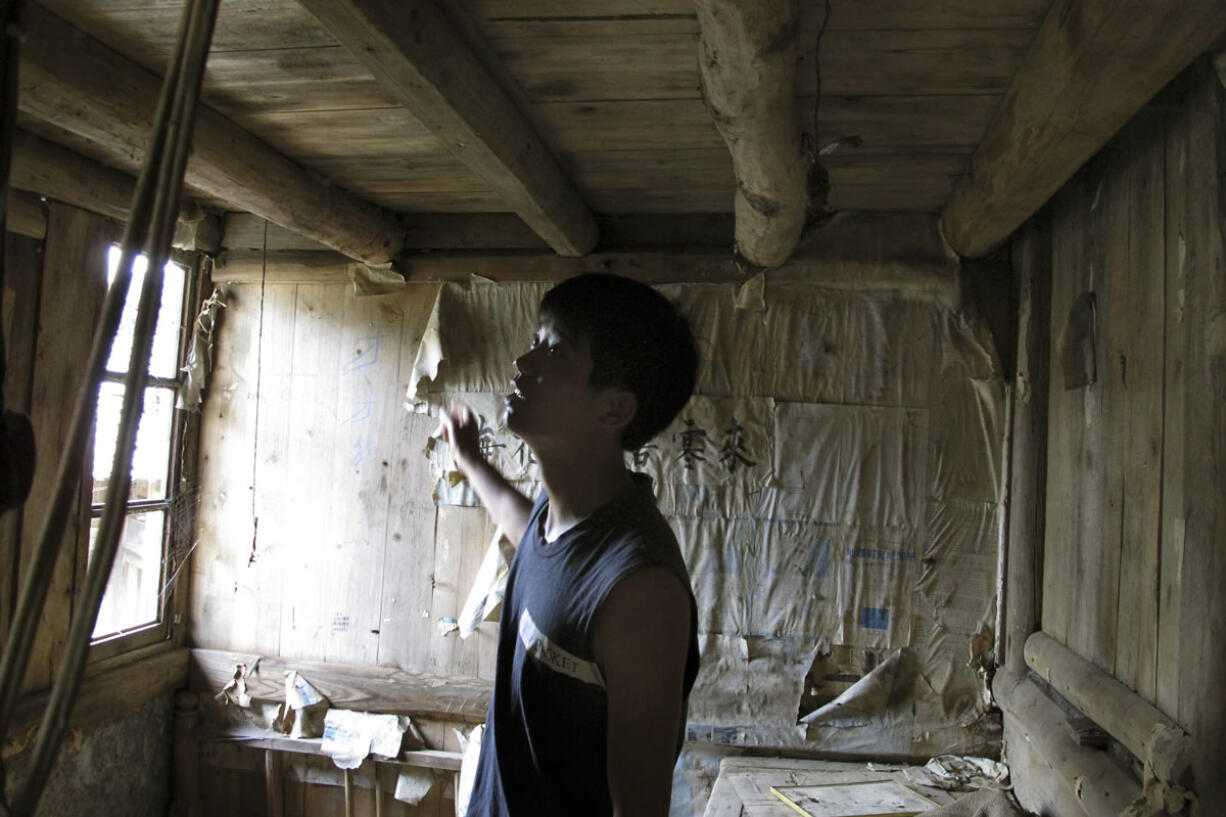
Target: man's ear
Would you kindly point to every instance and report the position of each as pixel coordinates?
(619, 406)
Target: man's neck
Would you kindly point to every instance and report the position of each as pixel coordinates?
(579, 484)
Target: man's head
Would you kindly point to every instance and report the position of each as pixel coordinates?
(638, 342)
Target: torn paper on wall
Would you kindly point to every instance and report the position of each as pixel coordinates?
(967, 411)
(835, 346)
(484, 327)
(713, 441)
(967, 452)
(891, 683)
(790, 580)
(750, 680)
(429, 356)
(729, 333)
(412, 785)
(717, 554)
(490, 584)
(955, 600)
(235, 691)
(350, 736)
(375, 280)
(861, 465)
(751, 295)
(731, 500)
(504, 450)
(200, 354)
(876, 574)
(470, 750)
(302, 713)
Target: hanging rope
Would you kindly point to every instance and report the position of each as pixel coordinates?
(150, 228)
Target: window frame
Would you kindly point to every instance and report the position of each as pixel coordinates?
(180, 484)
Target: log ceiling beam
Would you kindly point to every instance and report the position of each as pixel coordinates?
(1092, 65)
(74, 82)
(747, 56)
(25, 215)
(45, 168)
(417, 55)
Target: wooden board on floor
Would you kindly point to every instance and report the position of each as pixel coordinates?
(747, 783)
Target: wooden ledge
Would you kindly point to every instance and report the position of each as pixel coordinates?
(349, 686)
(417, 758)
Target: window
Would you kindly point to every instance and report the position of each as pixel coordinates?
(137, 595)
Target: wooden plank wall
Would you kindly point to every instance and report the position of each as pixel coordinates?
(56, 293)
(23, 258)
(1135, 558)
(323, 481)
(310, 463)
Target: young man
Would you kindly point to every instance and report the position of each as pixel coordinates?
(597, 649)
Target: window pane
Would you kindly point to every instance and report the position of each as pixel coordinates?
(151, 459)
(164, 360)
(131, 598)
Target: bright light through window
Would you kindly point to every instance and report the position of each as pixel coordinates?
(133, 598)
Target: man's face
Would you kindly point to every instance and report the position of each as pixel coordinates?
(551, 403)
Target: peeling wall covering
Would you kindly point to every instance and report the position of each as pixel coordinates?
(118, 768)
(835, 486)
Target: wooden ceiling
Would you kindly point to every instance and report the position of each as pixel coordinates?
(610, 87)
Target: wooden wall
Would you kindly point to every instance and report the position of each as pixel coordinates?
(52, 297)
(115, 759)
(1135, 545)
(318, 523)
(322, 545)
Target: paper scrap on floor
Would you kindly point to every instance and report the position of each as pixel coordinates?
(873, 798)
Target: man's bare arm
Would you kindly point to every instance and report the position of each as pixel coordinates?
(508, 507)
(641, 643)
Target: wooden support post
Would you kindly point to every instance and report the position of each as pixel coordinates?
(186, 757)
(348, 793)
(378, 788)
(419, 57)
(1092, 65)
(747, 55)
(274, 783)
(72, 81)
(1100, 786)
(1028, 462)
(1126, 716)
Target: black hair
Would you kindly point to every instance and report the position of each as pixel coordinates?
(639, 341)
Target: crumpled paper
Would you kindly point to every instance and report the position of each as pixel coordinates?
(959, 773)
(302, 714)
(350, 736)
